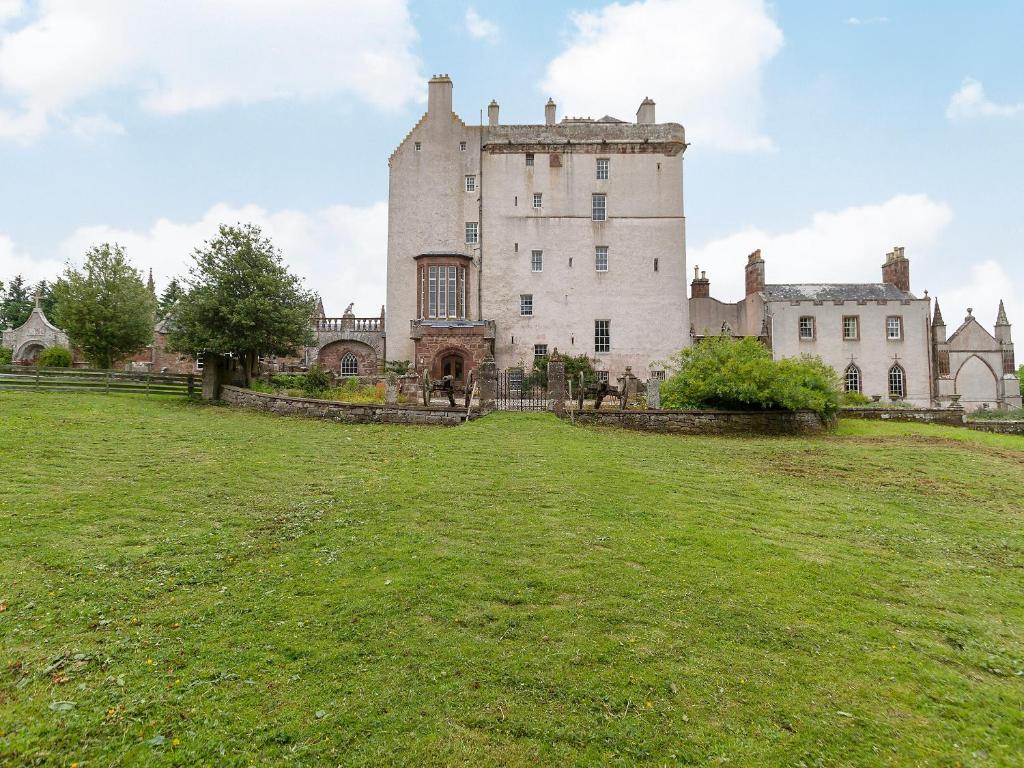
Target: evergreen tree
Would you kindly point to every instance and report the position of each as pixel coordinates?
(17, 303)
(105, 309)
(241, 299)
(169, 298)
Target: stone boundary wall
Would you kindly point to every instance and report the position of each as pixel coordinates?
(369, 413)
(710, 422)
(948, 416)
(994, 425)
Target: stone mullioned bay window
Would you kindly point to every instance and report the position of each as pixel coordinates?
(443, 284)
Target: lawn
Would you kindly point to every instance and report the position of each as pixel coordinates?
(185, 584)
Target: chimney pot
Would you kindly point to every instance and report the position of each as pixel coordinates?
(492, 113)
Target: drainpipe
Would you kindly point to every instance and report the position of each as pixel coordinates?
(480, 226)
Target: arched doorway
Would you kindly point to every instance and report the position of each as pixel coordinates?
(29, 353)
(450, 362)
(976, 384)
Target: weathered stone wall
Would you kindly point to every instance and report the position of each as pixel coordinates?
(1002, 427)
(711, 422)
(343, 412)
(949, 416)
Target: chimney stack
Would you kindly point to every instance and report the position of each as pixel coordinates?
(645, 115)
(700, 288)
(492, 113)
(755, 273)
(439, 96)
(896, 270)
(549, 112)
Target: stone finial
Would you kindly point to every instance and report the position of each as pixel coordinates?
(937, 318)
(970, 314)
(1001, 317)
(39, 298)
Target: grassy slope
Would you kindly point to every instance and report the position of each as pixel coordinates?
(516, 591)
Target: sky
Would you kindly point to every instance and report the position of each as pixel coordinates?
(822, 132)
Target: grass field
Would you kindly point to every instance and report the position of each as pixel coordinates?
(192, 585)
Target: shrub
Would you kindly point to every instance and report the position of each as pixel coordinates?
(854, 399)
(574, 367)
(54, 357)
(317, 380)
(397, 367)
(721, 372)
(993, 414)
(6, 355)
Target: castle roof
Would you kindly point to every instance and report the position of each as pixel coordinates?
(577, 131)
(835, 292)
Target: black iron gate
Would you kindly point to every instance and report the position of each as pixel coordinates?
(522, 391)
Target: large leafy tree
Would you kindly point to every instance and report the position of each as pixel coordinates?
(242, 300)
(106, 309)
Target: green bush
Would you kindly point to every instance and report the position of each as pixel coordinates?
(6, 355)
(397, 367)
(721, 372)
(54, 357)
(854, 399)
(316, 381)
(992, 414)
(575, 366)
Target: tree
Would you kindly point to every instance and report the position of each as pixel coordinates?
(16, 304)
(46, 300)
(106, 309)
(169, 298)
(241, 300)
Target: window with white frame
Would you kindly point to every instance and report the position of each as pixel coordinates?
(462, 146)
(349, 365)
(602, 335)
(851, 379)
(472, 232)
(537, 199)
(537, 261)
(894, 328)
(471, 183)
(851, 328)
(602, 376)
(658, 375)
(444, 292)
(897, 383)
(599, 208)
(601, 258)
(526, 304)
(806, 328)
(529, 159)
(539, 351)
(602, 168)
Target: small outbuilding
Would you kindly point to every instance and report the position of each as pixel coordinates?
(33, 336)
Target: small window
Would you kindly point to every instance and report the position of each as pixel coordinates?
(601, 258)
(602, 376)
(200, 361)
(658, 375)
(462, 146)
(851, 379)
(602, 168)
(806, 329)
(602, 336)
(472, 231)
(894, 328)
(526, 305)
(851, 328)
(570, 262)
(537, 199)
(599, 208)
(655, 263)
(897, 385)
(349, 365)
(529, 159)
(540, 350)
(515, 247)
(471, 183)
(417, 145)
(537, 261)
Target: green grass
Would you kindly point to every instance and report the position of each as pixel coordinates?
(193, 585)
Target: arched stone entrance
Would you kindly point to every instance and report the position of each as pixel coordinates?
(451, 361)
(29, 352)
(344, 357)
(976, 383)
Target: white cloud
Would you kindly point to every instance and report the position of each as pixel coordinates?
(987, 283)
(340, 250)
(195, 54)
(479, 27)
(970, 101)
(700, 60)
(11, 9)
(14, 261)
(94, 126)
(856, 21)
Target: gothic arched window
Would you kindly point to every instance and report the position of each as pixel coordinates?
(851, 379)
(349, 365)
(897, 381)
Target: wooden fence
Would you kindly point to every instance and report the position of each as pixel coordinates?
(22, 377)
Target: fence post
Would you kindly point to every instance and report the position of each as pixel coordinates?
(488, 373)
(106, 377)
(191, 384)
(37, 377)
(147, 386)
(556, 383)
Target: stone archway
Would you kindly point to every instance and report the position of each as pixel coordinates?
(333, 355)
(976, 383)
(451, 361)
(29, 352)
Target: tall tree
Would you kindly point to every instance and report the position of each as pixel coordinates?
(17, 303)
(169, 298)
(105, 309)
(46, 300)
(241, 299)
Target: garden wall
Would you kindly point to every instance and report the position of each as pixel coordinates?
(711, 422)
(363, 413)
(950, 417)
(994, 425)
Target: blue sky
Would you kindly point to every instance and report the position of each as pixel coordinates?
(822, 132)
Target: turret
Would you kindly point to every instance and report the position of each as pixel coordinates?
(1003, 326)
(938, 325)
